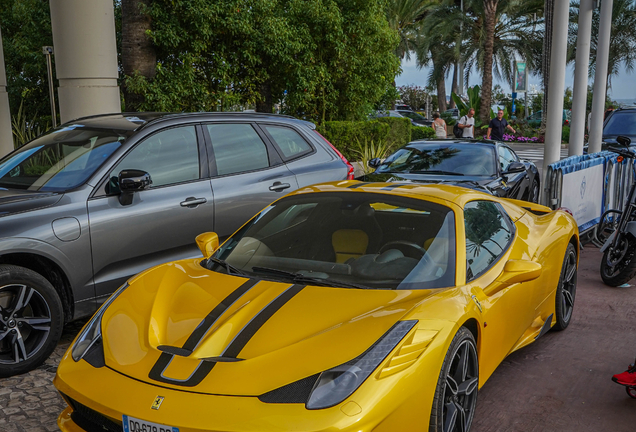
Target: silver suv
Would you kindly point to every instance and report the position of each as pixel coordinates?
(99, 199)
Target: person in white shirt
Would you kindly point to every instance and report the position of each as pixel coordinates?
(467, 124)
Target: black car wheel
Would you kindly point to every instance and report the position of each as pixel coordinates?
(457, 387)
(618, 264)
(566, 290)
(31, 320)
(534, 191)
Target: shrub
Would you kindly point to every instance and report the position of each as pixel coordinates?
(450, 121)
(344, 135)
(399, 132)
(421, 132)
(565, 134)
(368, 149)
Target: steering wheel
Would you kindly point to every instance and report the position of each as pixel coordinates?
(408, 248)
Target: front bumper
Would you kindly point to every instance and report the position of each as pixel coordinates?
(109, 395)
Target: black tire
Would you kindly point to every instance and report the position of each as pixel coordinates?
(534, 192)
(618, 265)
(566, 290)
(31, 320)
(457, 387)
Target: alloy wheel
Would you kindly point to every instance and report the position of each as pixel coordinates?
(568, 290)
(460, 392)
(25, 323)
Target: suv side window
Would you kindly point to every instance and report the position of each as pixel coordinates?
(288, 141)
(489, 232)
(506, 157)
(169, 156)
(237, 148)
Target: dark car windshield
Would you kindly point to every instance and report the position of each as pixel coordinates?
(347, 239)
(442, 158)
(412, 115)
(60, 160)
(621, 123)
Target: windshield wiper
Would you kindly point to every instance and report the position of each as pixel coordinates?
(437, 172)
(227, 266)
(301, 278)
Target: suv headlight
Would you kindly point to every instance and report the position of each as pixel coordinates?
(337, 384)
(93, 330)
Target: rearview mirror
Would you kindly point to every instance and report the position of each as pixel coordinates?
(375, 162)
(208, 243)
(623, 140)
(131, 181)
(515, 167)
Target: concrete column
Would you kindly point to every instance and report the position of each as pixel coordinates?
(6, 135)
(85, 57)
(558, 55)
(579, 98)
(600, 78)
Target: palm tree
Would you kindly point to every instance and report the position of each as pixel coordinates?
(403, 17)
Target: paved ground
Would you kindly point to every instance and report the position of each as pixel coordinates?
(560, 383)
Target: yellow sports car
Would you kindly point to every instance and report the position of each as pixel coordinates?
(341, 307)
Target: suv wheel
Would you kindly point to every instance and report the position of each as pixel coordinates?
(31, 319)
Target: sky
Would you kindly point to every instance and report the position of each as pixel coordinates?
(623, 85)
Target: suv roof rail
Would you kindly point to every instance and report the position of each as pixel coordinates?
(215, 113)
(96, 116)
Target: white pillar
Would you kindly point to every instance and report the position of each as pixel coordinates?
(85, 57)
(554, 124)
(6, 135)
(600, 77)
(579, 98)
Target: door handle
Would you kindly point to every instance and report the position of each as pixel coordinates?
(278, 186)
(193, 202)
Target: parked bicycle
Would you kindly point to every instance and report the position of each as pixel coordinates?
(617, 231)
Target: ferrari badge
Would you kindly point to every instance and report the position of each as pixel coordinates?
(157, 403)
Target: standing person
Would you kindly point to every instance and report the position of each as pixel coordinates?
(467, 124)
(439, 125)
(497, 127)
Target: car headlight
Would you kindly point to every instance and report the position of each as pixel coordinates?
(336, 384)
(93, 330)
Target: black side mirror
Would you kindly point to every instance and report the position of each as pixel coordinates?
(623, 140)
(515, 167)
(131, 181)
(375, 162)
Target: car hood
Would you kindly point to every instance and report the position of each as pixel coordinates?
(286, 335)
(16, 201)
(479, 183)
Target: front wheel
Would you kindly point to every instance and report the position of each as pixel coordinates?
(618, 265)
(31, 320)
(566, 290)
(457, 387)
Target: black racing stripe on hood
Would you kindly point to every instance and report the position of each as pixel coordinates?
(393, 186)
(198, 333)
(357, 185)
(239, 342)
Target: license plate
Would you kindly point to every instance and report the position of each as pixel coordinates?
(132, 424)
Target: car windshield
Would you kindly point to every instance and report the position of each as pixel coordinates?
(412, 115)
(60, 160)
(621, 123)
(346, 239)
(442, 158)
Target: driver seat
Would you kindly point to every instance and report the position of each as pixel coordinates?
(357, 233)
(349, 243)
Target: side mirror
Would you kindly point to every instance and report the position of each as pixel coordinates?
(208, 243)
(515, 271)
(131, 181)
(515, 167)
(375, 162)
(623, 140)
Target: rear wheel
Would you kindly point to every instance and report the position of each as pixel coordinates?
(456, 393)
(566, 290)
(31, 320)
(618, 265)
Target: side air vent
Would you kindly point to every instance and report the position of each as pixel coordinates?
(296, 392)
(411, 349)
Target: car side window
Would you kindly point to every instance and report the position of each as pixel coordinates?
(288, 141)
(237, 148)
(169, 156)
(506, 157)
(489, 231)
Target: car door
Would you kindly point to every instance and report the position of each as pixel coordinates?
(162, 222)
(508, 312)
(515, 184)
(247, 174)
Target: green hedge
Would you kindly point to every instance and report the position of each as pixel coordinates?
(421, 132)
(345, 135)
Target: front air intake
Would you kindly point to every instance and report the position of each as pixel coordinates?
(296, 392)
(90, 420)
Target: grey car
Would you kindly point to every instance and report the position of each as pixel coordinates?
(99, 199)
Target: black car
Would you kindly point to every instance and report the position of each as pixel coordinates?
(479, 164)
(619, 122)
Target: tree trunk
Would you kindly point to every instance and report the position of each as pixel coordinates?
(545, 65)
(441, 86)
(490, 15)
(137, 51)
(265, 104)
(454, 85)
